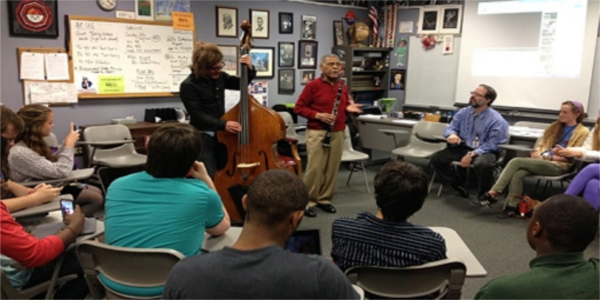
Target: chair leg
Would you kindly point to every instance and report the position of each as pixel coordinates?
(350, 176)
(545, 186)
(537, 184)
(100, 180)
(440, 189)
(362, 163)
(431, 182)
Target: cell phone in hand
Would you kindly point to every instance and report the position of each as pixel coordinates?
(67, 208)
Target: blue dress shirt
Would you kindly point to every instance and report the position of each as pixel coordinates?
(488, 126)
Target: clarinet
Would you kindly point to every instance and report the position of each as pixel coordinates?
(327, 140)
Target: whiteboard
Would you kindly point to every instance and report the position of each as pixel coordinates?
(431, 76)
(116, 58)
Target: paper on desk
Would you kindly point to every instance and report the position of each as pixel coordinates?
(57, 66)
(32, 66)
(50, 92)
(232, 97)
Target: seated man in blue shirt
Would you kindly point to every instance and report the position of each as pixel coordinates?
(560, 230)
(387, 239)
(473, 137)
(160, 207)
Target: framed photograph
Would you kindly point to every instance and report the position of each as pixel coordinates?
(286, 54)
(451, 16)
(307, 54)
(260, 23)
(226, 21)
(262, 59)
(307, 76)
(42, 23)
(163, 8)
(144, 9)
(397, 79)
(429, 20)
(287, 81)
(338, 33)
(230, 59)
(309, 27)
(286, 23)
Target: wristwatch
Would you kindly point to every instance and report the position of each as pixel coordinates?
(472, 154)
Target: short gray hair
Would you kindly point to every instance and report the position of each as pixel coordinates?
(328, 56)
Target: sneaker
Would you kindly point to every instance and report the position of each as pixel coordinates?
(463, 191)
(485, 200)
(509, 212)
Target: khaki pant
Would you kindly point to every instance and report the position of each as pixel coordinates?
(323, 165)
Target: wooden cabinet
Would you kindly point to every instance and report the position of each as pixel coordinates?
(365, 71)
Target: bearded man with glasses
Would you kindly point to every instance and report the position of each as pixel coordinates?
(203, 95)
(473, 137)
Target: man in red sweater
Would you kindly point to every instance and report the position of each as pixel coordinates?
(316, 104)
(37, 254)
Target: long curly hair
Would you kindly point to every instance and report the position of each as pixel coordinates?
(205, 56)
(8, 117)
(596, 134)
(34, 117)
(555, 130)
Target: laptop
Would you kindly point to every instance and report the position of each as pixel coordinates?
(305, 242)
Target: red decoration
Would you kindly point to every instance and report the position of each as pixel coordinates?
(428, 41)
(34, 15)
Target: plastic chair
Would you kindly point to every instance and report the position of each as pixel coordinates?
(10, 293)
(417, 147)
(51, 140)
(350, 155)
(444, 278)
(135, 267)
(291, 129)
(122, 156)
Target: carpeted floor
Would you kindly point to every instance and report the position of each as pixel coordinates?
(499, 245)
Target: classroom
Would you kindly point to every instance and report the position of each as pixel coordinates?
(499, 84)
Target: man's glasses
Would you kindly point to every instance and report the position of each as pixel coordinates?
(218, 68)
(477, 94)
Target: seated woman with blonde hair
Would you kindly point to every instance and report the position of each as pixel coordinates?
(31, 158)
(566, 132)
(587, 181)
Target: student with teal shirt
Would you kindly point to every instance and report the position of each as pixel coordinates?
(160, 207)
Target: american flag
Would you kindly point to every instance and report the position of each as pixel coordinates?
(373, 16)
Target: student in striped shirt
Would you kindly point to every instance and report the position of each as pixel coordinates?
(387, 238)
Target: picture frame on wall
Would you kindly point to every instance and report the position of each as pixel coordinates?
(307, 76)
(307, 54)
(339, 39)
(309, 27)
(260, 23)
(287, 81)
(286, 54)
(262, 59)
(451, 19)
(226, 18)
(144, 9)
(429, 20)
(164, 8)
(286, 23)
(230, 59)
(45, 23)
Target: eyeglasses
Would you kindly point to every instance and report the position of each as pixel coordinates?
(218, 68)
(477, 94)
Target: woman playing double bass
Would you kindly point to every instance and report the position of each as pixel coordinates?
(203, 95)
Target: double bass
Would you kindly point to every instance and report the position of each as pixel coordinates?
(256, 148)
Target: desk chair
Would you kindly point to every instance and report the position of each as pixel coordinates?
(419, 148)
(136, 267)
(121, 154)
(51, 140)
(444, 278)
(291, 129)
(74, 175)
(10, 293)
(350, 155)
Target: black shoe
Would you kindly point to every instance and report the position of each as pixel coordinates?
(464, 192)
(327, 208)
(310, 212)
(509, 212)
(485, 200)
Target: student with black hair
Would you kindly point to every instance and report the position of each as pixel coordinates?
(559, 231)
(388, 239)
(160, 207)
(257, 266)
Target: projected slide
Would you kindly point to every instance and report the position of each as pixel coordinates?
(541, 38)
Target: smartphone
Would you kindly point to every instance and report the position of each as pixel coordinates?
(66, 207)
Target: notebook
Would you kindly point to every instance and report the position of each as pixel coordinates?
(305, 242)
